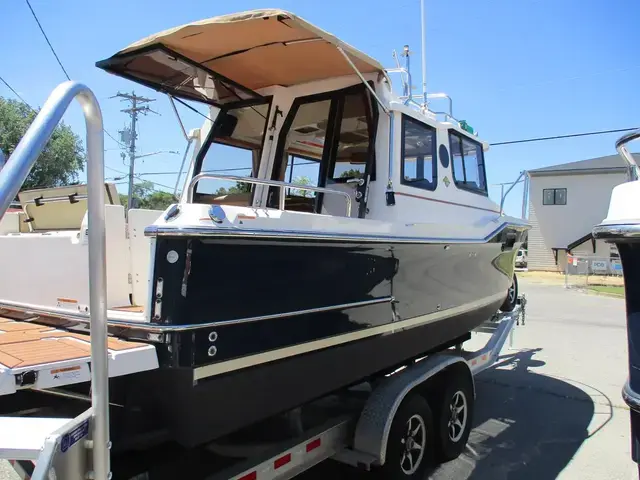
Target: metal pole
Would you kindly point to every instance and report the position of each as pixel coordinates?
(13, 176)
(132, 149)
(423, 21)
(525, 195)
(184, 159)
(502, 197)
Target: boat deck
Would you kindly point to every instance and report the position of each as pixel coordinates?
(40, 356)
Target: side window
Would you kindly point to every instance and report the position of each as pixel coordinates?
(234, 149)
(554, 196)
(418, 154)
(468, 164)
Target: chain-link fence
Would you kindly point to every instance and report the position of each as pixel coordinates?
(604, 273)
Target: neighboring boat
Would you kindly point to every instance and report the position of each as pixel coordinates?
(260, 298)
(622, 227)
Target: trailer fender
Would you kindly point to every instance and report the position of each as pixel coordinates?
(372, 429)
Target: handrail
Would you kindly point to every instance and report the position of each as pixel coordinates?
(624, 153)
(509, 190)
(13, 175)
(273, 183)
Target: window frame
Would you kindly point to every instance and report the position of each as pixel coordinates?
(462, 185)
(327, 162)
(215, 129)
(422, 184)
(554, 190)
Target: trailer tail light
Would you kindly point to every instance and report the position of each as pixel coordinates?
(250, 476)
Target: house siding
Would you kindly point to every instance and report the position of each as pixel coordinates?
(556, 226)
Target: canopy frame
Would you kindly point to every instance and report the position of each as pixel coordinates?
(109, 65)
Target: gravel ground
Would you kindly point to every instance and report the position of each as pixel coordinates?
(551, 408)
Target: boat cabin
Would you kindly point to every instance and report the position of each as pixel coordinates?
(310, 123)
(301, 131)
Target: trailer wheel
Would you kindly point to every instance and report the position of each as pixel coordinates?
(410, 442)
(453, 417)
(512, 296)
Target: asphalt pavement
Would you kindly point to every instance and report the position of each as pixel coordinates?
(551, 408)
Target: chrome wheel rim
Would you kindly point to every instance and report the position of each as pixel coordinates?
(414, 443)
(458, 416)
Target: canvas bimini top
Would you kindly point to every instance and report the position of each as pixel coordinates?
(227, 58)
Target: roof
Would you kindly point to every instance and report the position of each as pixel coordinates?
(609, 162)
(227, 58)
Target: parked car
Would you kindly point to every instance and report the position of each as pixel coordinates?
(521, 258)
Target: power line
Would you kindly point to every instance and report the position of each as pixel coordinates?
(47, 39)
(16, 94)
(541, 139)
(59, 63)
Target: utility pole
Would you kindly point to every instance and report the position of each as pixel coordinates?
(128, 136)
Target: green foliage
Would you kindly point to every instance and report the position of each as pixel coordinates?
(302, 180)
(352, 173)
(61, 159)
(145, 196)
(239, 187)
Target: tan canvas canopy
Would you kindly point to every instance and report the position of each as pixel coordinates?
(227, 58)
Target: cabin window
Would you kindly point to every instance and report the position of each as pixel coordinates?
(418, 154)
(468, 164)
(354, 140)
(234, 148)
(303, 151)
(554, 196)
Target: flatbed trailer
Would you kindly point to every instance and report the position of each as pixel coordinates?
(396, 423)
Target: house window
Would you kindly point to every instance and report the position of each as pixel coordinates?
(418, 154)
(554, 196)
(468, 164)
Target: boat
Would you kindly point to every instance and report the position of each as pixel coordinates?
(621, 227)
(258, 292)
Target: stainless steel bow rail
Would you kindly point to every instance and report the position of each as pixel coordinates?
(621, 147)
(61, 447)
(273, 183)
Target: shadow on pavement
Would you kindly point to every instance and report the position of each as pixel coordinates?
(527, 426)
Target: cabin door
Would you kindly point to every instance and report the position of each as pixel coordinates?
(327, 140)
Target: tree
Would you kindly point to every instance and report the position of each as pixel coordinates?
(239, 187)
(352, 173)
(145, 196)
(302, 180)
(62, 157)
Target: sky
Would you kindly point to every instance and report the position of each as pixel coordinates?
(515, 69)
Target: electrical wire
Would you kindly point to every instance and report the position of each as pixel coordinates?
(556, 137)
(47, 39)
(35, 17)
(17, 94)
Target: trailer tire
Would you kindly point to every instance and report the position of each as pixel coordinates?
(453, 416)
(511, 300)
(410, 442)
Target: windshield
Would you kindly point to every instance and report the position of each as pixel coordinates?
(234, 148)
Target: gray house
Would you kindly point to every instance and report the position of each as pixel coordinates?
(565, 202)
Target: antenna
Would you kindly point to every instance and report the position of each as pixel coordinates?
(423, 21)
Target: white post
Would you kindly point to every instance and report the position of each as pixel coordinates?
(423, 21)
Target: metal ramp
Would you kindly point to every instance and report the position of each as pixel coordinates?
(39, 356)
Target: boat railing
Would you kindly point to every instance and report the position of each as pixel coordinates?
(621, 147)
(95, 421)
(273, 183)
